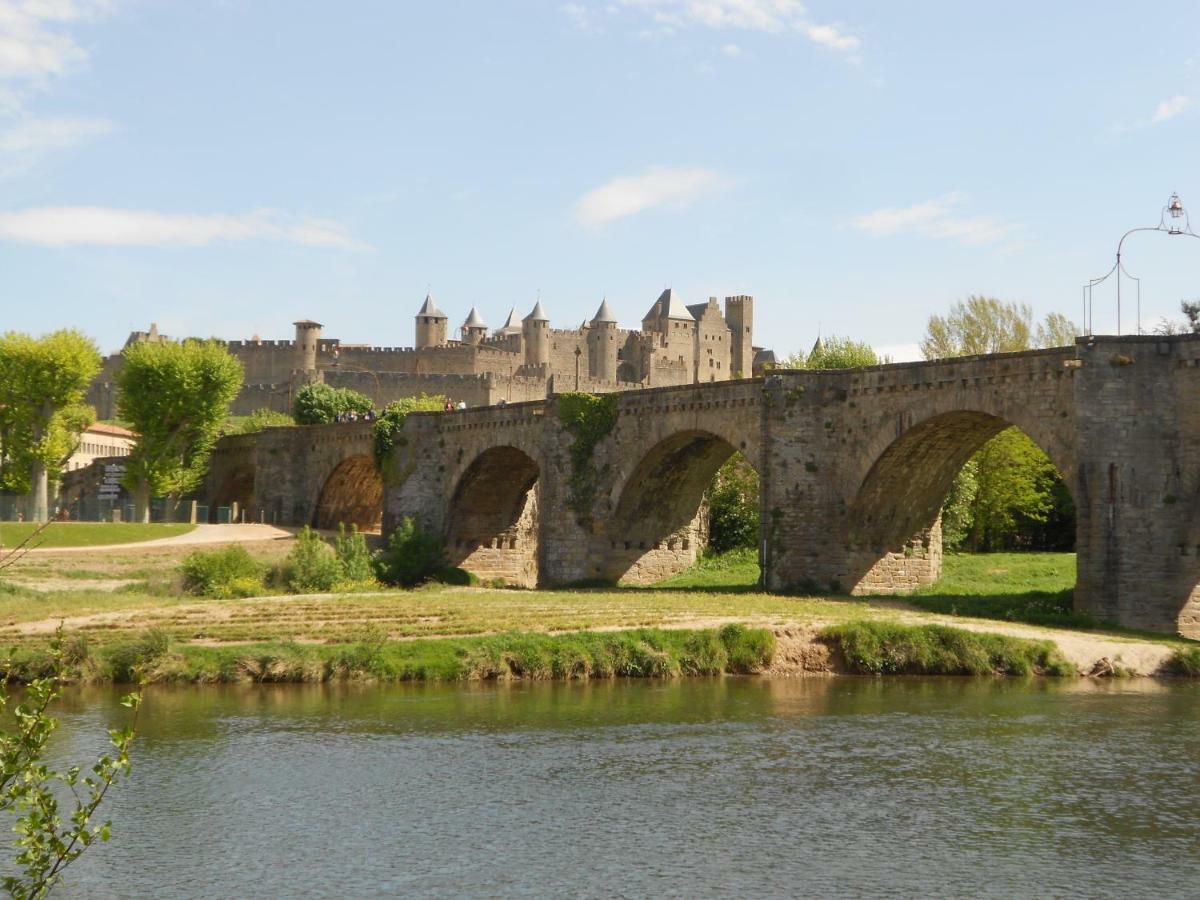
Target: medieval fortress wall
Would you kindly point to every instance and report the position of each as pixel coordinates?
(525, 359)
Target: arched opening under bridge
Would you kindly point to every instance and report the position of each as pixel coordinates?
(237, 487)
(661, 524)
(963, 481)
(492, 527)
(352, 495)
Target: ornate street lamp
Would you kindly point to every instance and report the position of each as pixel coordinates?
(1172, 220)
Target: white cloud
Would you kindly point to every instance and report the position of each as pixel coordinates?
(772, 16)
(35, 41)
(22, 145)
(732, 51)
(934, 218)
(899, 353)
(1169, 109)
(628, 195)
(61, 226)
(579, 15)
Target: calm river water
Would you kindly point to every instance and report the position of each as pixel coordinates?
(736, 786)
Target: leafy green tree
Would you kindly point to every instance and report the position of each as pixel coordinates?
(257, 421)
(391, 421)
(176, 396)
(320, 403)
(1016, 492)
(978, 325)
(45, 846)
(42, 384)
(958, 512)
(1057, 331)
(836, 352)
(733, 506)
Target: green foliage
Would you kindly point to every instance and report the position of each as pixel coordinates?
(747, 650)
(42, 384)
(224, 573)
(1016, 492)
(1057, 331)
(889, 648)
(732, 499)
(1184, 662)
(30, 789)
(958, 512)
(589, 418)
(836, 352)
(353, 556)
(412, 556)
(257, 421)
(312, 566)
(176, 396)
(979, 325)
(391, 421)
(320, 403)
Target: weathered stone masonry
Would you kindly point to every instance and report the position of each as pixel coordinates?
(854, 465)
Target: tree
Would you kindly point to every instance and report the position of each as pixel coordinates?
(979, 325)
(1057, 331)
(40, 380)
(257, 421)
(733, 506)
(320, 403)
(836, 352)
(1016, 491)
(176, 396)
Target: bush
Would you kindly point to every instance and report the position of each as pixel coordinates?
(411, 556)
(320, 404)
(312, 566)
(353, 556)
(228, 572)
(391, 421)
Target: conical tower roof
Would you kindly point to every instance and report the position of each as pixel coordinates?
(668, 304)
(512, 324)
(537, 314)
(604, 313)
(474, 319)
(429, 308)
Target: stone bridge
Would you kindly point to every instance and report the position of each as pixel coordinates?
(854, 467)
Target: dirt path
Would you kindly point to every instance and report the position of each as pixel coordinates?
(201, 534)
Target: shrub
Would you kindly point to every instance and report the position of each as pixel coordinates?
(228, 572)
(320, 404)
(411, 556)
(353, 555)
(312, 566)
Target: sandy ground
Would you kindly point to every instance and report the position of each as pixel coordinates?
(201, 534)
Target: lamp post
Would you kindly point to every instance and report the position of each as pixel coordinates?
(578, 353)
(1172, 221)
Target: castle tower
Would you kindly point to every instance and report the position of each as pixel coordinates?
(474, 330)
(535, 328)
(431, 325)
(602, 344)
(308, 335)
(739, 315)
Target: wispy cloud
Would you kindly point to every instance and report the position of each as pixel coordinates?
(62, 226)
(772, 16)
(627, 195)
(731, 50)
(25, 143)
(936, 218)
(1170, 108)
(35, 36)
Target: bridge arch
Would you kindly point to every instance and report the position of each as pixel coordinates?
(492, 524)
(236, 486)
(893, 525)
(655, 529)
(351, 495)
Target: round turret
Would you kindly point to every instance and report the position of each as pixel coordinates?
(308, 335)
(431, 325)
(602, 344)
(535, 328)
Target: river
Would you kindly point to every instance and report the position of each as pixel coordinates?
(692, 787)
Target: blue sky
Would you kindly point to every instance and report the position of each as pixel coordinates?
(228, 167)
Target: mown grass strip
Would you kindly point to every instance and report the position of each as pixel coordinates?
(645, 653)
(888, 648)
(88, 534)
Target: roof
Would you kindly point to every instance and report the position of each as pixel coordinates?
(604, 313)
(114, 430)
(537, 314)
(429, 308)
(669, 305)
(306, 322)
(512, 325)
(474, 319)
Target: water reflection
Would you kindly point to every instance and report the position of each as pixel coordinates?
(697, 787)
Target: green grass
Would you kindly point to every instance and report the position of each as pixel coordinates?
(87, 534)
(889, 648)
(1184, 661)
(645, 652)
(735, 570)
(1036, 588)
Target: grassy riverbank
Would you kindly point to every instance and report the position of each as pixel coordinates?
(463, 632)
(87, 534)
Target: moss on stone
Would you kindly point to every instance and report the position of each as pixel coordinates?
(588, 418)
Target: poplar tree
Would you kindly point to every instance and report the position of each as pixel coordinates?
(176, 396)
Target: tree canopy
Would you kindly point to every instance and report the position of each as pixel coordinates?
(42, 384)
(320, 403)
(176, 396)
(834, 352)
